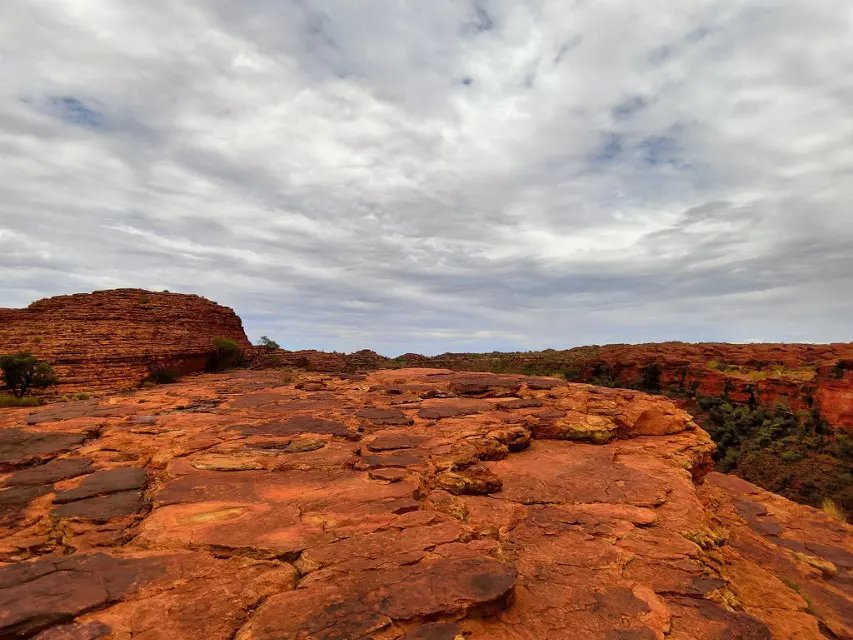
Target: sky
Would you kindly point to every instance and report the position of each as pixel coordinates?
(438, 176)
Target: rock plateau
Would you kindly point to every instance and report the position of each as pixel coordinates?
(398, 504)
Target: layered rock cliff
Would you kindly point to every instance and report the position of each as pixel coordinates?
(801, 376)
(401, 504)
(113, 339)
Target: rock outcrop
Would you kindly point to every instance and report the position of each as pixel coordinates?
(110, 340)
(400, 504)
(801, 376)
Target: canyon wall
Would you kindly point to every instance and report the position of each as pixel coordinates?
(799, 376)
(110, 340)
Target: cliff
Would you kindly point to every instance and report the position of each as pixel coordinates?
(111, 339)
(801, 376)
(412, 504)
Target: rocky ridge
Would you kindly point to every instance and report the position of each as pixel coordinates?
(801, 376)
(398, 504)
(110, 340)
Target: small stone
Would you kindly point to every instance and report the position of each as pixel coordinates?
(304, 444)
(388, 475)
(475, 480)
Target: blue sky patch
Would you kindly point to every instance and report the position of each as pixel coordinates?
(77, 112)
(629, 107)
(611, 148)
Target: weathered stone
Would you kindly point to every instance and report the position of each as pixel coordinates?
(303, 444)
(515, 438)
(20, 448)
(388, 475)
(615, 540)
(438, 409)
(102, 508)
(298, 425)
(392, 441)
(51, 472)
(103, 482)
(384, 416)
(36, 595)
(473, 480)
(390, 460)
(220, 462)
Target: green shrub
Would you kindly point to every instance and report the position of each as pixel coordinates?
(268, 343)
(7, 401)
(791, 456)
(226, 354)
(23, 372)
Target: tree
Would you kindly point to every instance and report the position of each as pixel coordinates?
(268, 343)
(23, 372)
(226, 354)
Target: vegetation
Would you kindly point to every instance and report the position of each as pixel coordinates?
(268, 343)
(9, 401)
(829, 507)
(603, 376)
(81, 395)
(226, 354)
(840, 367)
(23, 372)
(164, 375)
(650, 378)
(793, 454)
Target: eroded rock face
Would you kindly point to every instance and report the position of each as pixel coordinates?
(109, 340)
(414, 503)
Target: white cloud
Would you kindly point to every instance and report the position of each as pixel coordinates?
(434, 176)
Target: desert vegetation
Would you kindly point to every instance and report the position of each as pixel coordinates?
(22, 374)
(268, 343)
(793, 454)
(225, 354)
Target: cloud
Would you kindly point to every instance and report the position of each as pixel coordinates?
(438, 176)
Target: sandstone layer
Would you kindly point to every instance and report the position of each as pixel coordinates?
(801, 376)
(401, 504)
(110, 340)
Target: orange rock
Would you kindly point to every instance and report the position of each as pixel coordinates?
(110, 340)
(234, 506)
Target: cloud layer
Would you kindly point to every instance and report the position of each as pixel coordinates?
(438, 176)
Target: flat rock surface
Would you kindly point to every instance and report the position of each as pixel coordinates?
(404, 504)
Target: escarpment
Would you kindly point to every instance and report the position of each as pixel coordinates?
(398, 504)
(110, 340)
(801, 376)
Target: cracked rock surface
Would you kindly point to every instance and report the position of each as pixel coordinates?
(402, 504)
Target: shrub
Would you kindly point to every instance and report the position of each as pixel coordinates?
(791, 456)
(23, 372)
(650, 380)
(226, 354)
(831, 509)
(11, 401)
(268, 343)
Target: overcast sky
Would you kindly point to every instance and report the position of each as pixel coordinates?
(441, 175)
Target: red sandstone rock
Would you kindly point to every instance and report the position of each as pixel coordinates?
(237, 506)
(110, 340)
(793, 374)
